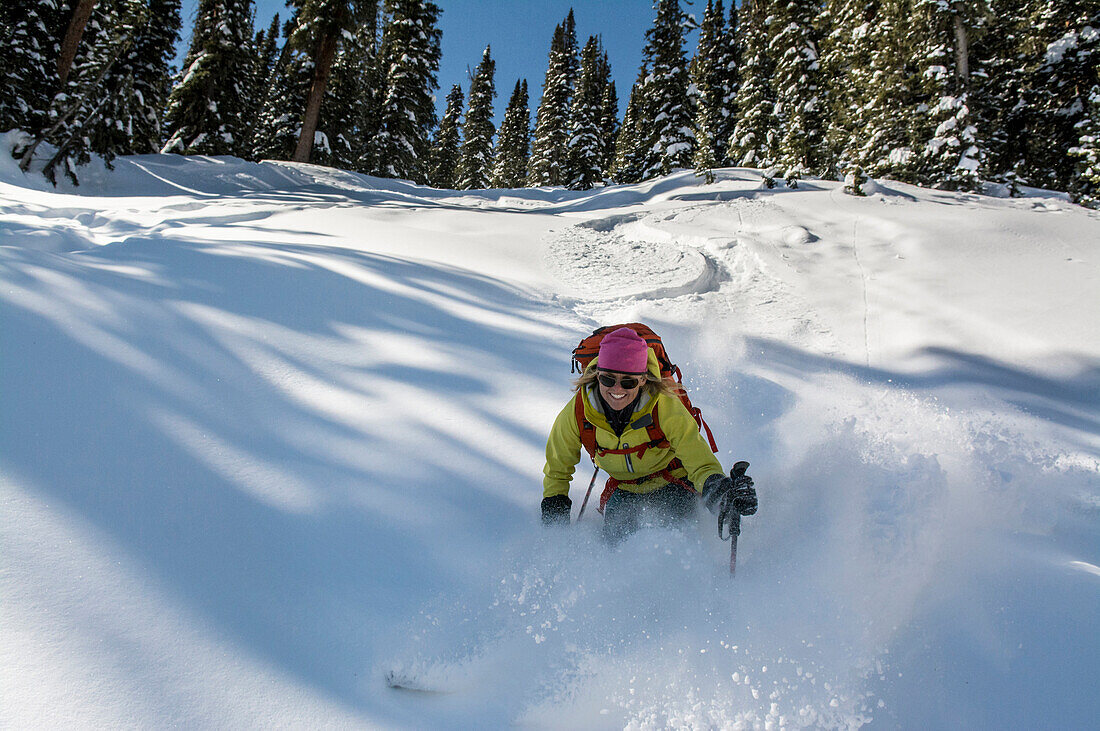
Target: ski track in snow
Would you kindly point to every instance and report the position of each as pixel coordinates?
(228, 373)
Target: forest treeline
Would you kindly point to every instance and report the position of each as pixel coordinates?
(941, 93)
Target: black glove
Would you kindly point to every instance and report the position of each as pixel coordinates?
(555, 510)
(721, 492)
(743, 495)
(715, 489)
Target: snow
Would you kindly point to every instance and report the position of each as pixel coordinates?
(1057, 50)
(271, 432)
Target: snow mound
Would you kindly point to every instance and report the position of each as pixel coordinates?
(622, 257)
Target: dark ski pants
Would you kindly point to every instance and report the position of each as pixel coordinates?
(626, 512)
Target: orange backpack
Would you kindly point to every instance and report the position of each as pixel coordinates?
(589, 348)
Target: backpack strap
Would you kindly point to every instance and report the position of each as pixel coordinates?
(612, 484)
(587, 432)
(586, 429)
(694, 411)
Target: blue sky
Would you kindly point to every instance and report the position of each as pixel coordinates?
(519, 32)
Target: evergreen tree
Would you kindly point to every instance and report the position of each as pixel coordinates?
(97, 111)
(885, 128)
(279, 126)
(587, 148)
(30, 32)
(1086, 181)
(410, 56)
(952, 155)
(671, 139)
(551, 138)
(447, 146)
(799, 105)
(206, 108)
(754, 142)
(321, 26)
(729, 79)
(266, 47)
(1067, 44)
(609, 125)
(708, 75)
(150, 68)
(476, 163)
(513, 141)
(629, 163)
(1000, 91)
(348, 115)
(105, 125)
(848, 60)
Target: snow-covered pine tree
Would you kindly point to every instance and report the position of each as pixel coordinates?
(587, 148)
(1085, 187)
(475, 164)
(1000, 90)
(206, 108)
(322, 24)
(409, 56)
(609, 125)
(754, 142)
(266, 54)
(350, 102)
(729, 77)
(1067, 36)
(132, 95)
(151, 70)
(671, 139)
(799, 102)
(549, 145)
(447, 146)
(848, 51)
(952, 153)
(30, 41)
(707, 72)
(705, 158)
(513, 141)
(279, 125)
(892, 100)
(628, 165)
(104, 124)
(104, 38)
(96, 112)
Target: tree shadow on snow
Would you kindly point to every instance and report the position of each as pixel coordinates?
(231, 414)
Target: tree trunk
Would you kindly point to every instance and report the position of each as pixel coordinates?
(321, 71)
(81, 14)
(962, 52)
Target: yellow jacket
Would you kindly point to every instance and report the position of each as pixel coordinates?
(563, 447)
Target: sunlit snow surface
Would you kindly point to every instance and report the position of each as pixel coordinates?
(272, 433)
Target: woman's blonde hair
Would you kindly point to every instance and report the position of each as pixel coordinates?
(653, 384)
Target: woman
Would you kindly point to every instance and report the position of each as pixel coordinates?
(652, 479)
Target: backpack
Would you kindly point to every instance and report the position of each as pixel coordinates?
(589, 348)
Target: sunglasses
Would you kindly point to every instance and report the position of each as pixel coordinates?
(625, 382)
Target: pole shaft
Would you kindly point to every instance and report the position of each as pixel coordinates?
(588, 494)
(735, 530)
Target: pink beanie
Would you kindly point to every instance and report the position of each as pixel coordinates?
(623, 350)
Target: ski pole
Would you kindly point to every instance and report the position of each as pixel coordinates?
(586, 495)
(732, 515)
(735, 530)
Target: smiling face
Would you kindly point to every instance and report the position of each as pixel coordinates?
(616, 395)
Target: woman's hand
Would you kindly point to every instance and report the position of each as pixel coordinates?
(555, 510)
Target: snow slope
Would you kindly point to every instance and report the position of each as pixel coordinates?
(272, 431)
